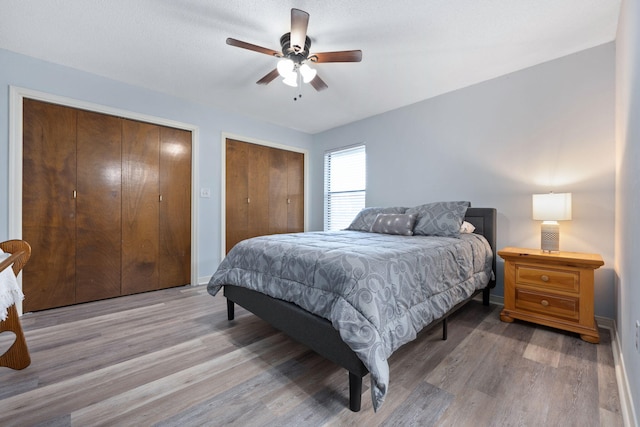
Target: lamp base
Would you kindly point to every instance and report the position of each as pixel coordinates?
(550, 236)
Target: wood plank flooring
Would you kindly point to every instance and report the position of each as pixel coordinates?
(171, 358)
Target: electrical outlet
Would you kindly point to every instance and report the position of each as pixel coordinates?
(638, 336)
(205, 193)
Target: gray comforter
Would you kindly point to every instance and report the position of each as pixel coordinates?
(378, 290)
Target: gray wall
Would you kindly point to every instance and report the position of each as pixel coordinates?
(30, 73)
(549, 127)
(628, 191)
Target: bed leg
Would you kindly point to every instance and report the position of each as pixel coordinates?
(355, 392)
(486, 292)
(444, 329)
(230, 310)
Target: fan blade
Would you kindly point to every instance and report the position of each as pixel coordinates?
(299, 23)
(341, 56)
(318, 84)
(269, 77)
(253, 47)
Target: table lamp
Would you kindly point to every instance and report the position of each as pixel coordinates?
(551, 208)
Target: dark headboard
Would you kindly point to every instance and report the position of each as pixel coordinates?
(484, 220)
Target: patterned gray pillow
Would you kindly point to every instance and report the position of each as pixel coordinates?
(439, 218)
(401, 224)
(366, 217)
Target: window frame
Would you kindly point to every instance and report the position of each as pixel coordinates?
(355, 195)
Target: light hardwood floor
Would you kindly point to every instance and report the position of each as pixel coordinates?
(171, 358)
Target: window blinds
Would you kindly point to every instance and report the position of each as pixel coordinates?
(344, 186)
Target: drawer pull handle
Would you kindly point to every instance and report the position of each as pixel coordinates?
(544, 278)
(544, 303)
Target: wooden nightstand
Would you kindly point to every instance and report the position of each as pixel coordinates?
(553, 289)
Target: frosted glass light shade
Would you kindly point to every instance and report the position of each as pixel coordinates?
(552, 207)
(285, 67)
(307, 72)
(291, 79)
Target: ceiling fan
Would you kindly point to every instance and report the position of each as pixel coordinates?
(294, 65)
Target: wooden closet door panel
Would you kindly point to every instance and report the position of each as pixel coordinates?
(295, 190)
(48, 206)
(259, 161)
(278, 191)
(236, 192)
(98, 257)
(175, 208)
(140, 206)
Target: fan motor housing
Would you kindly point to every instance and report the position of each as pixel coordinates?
(297, 54)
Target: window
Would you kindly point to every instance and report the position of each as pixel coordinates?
(345, 183)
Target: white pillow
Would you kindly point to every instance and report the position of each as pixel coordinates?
(467, 227)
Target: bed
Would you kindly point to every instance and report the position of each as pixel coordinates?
(359, 338)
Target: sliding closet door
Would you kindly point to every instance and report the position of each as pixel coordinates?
(295, 192)
(286, 190)
(236, 193)
(98, 222)
(175, 207)
(259, 163)
(48, 214)
(247, 191)
(278, 191)
(140, 206)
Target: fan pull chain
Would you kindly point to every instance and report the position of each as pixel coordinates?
(299, 86)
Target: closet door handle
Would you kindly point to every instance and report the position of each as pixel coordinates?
(160, 197)
(75, 194)
(288, 201)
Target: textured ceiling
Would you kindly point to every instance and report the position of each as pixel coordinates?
(412, 49)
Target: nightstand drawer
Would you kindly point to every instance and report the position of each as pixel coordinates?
(565, 280)
(552, 305)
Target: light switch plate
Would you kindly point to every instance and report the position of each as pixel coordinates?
(205, 193)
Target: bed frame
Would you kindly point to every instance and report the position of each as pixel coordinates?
(319, 334)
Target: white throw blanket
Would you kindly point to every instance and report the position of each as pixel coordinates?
(10, 292)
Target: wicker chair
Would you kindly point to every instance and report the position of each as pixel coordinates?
(17, 356)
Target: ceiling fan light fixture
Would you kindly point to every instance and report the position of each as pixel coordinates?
(294, 56)
(285, 67)
(308, 73)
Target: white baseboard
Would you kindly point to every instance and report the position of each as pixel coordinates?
(629, 416)
(496, 299)
(203, 280)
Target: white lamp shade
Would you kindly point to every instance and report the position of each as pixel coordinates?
(552, 207)
(285, 67)
(307, 72)
(291, 79)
